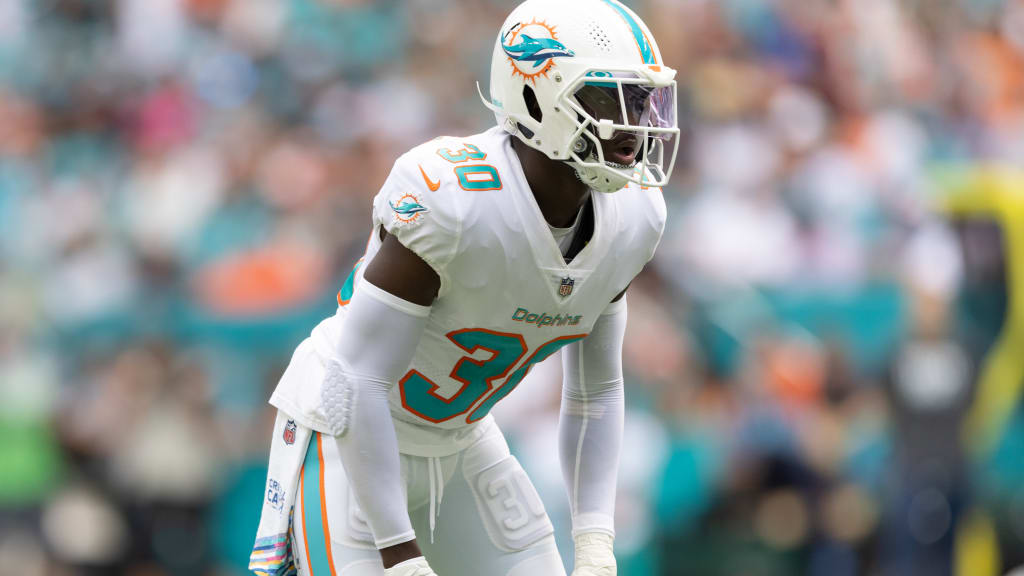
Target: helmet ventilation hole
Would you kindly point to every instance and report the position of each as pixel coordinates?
(598, 36)
(532, 106)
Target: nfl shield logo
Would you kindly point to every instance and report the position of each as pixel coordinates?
(566, 287)
(289, 432)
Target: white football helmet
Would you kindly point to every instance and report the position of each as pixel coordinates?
(569, 74)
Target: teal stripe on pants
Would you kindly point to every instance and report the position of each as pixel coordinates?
(313, 517)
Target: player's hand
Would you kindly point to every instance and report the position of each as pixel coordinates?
(594, 556)
(414, 567)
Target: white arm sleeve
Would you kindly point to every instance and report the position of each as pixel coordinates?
(590, 424)
(377, 344)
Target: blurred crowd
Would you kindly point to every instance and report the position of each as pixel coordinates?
(185, 183)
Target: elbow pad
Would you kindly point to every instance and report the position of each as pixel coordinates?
(378, 341)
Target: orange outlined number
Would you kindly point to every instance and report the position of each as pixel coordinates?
(419, 394)
(472, 176)
(478, 377)
(539, 355)
(469, 152)
(345, 294)
(478, 177)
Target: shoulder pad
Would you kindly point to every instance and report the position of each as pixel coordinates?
(423, 200)
(647, 214)
(419, 211)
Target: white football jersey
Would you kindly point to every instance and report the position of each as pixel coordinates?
(507, 301)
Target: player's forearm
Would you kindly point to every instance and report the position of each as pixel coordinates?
(369, 452)
(591, 422)
(590, 440)
(375, 476)
(379, 338)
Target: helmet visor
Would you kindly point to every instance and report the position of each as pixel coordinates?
(628, 103)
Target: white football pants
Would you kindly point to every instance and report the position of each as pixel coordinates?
(475, 513)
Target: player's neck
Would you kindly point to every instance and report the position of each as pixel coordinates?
(559, 193)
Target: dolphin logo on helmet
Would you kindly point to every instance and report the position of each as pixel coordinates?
(536, 50)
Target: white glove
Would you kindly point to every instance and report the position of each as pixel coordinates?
(594, 556)
(414, 567)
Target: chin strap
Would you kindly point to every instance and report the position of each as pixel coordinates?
(586, 150)
(599, 180)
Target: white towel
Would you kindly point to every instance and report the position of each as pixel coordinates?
(272, 553)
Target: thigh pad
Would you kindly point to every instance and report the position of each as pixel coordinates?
(511, 510)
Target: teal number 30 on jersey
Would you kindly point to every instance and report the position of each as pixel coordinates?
(477, 377)
(472, 176)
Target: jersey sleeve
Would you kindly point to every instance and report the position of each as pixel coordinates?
(415, 206)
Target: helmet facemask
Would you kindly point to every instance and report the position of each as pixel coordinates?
(624, 122)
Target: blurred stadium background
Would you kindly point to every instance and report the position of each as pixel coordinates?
(823, 362)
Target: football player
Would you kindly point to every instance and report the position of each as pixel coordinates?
(488, 254)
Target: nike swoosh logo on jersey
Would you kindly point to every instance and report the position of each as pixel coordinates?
(433, 186)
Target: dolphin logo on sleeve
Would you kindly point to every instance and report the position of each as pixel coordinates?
(408, 208)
